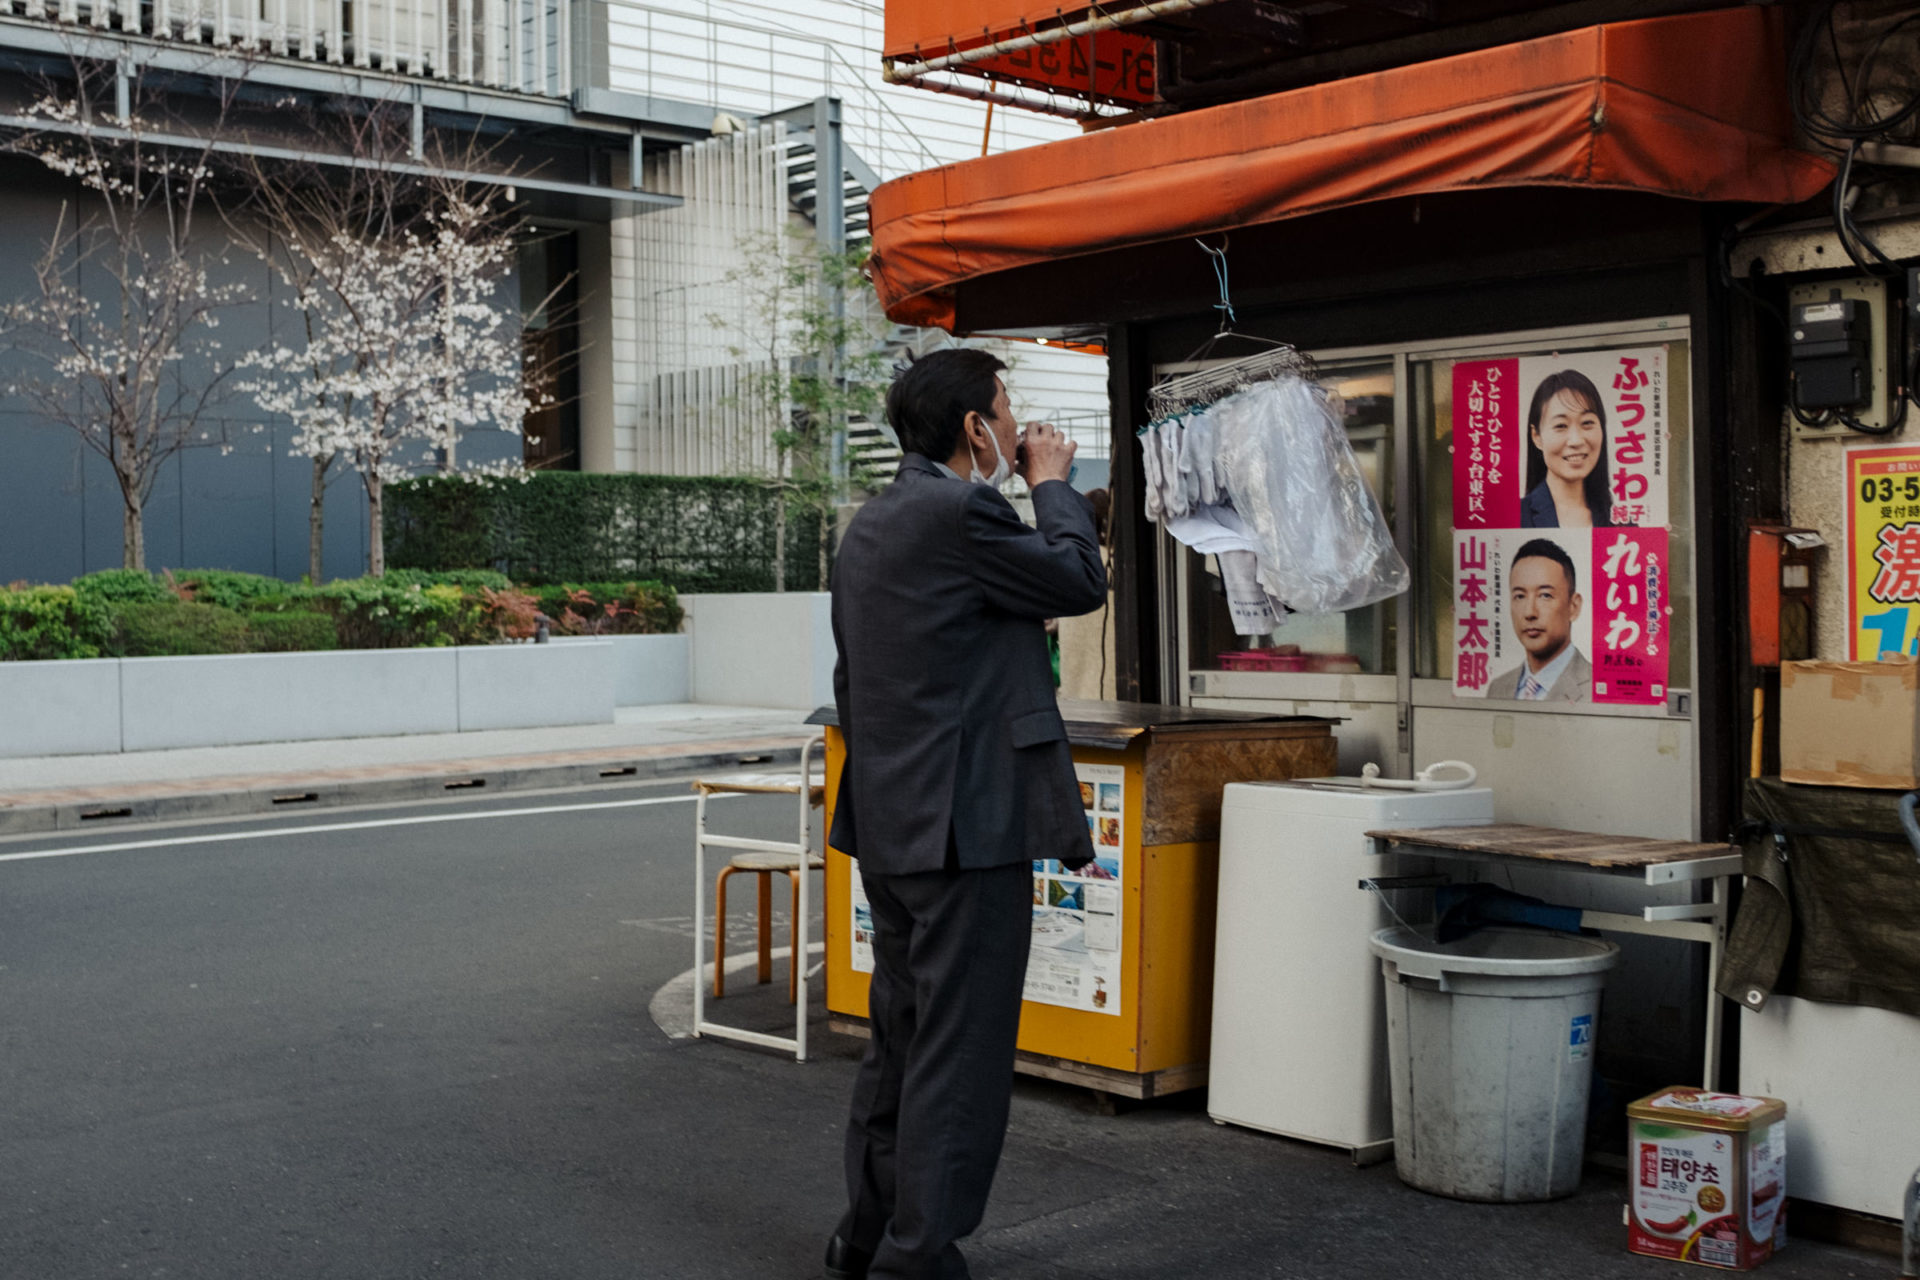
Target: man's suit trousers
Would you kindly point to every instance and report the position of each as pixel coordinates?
(930, 1103)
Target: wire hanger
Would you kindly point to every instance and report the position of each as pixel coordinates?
(1184, 393)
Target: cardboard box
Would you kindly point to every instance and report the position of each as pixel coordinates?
(1851, 724)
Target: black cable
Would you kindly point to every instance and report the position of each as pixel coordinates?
(1849, 232)
(1825, 418)
(1811, 116)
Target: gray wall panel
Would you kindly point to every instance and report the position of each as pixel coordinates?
(40, 512)
(230, 500)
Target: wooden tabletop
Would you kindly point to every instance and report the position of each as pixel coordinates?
(1113, 726)
(1550, 844)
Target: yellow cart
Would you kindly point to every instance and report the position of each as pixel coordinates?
(1120, 977)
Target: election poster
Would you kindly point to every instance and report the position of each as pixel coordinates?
(1074, 959)
(1883, 551)
(1581, 440)
(1560, 508)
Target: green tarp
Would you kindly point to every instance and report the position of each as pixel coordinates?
(1831, 909)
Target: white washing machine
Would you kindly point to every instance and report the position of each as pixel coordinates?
(1299, 1015)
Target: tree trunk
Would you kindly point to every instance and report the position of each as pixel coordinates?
(317, 518)
(133, 534)
(826, 541)
(376, 526)
(780, 538)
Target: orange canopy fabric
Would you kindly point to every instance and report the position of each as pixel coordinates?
(1692, 107)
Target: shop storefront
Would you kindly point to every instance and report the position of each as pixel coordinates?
(1463, 245)
(1441, 239)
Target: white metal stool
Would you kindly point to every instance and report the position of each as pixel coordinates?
(765, 858)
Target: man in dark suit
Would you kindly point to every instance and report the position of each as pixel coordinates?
(957, 777)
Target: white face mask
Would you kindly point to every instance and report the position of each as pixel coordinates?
(1001, 469)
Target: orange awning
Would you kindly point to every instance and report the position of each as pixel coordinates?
(1693, 107)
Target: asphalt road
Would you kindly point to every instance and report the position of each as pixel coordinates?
(415, 1042)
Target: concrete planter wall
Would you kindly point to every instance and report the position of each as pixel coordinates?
(146, 704)
(761, 649)
(59, 708)
(647, 670)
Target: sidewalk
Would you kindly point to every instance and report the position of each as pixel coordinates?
(49, 793)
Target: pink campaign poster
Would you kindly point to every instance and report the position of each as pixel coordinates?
(1630, 626)
(1559, 513)
(1561, 441)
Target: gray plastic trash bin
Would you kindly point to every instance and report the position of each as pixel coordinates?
(1490, 1048)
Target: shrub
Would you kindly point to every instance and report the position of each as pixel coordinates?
(697, 533)
(386, 613)
(294, 631)
(611, 608)
(38, 623)
(232, 590)
(472, 579)
(510, 614)
(175, 628)
(113, 585)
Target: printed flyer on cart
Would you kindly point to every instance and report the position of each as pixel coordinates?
(1560, 505)
(1074, 959)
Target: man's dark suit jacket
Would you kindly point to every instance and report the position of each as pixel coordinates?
(943, 685)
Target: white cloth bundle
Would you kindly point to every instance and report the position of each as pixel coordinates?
(1271, 467)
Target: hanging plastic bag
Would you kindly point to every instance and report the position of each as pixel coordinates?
(1283, 458)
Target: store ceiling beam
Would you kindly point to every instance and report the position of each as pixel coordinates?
(1815, 246)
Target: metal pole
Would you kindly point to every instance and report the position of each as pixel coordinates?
(830, 228)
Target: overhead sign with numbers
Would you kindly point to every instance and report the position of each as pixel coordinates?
(1883, 551)
(1115, 65)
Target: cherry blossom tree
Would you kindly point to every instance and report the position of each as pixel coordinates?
(408, 345)
(131, 363)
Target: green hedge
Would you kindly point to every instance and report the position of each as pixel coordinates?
(691, 533)
(294, 631)
(176, 628)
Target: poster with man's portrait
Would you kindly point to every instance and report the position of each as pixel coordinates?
(1561, 616)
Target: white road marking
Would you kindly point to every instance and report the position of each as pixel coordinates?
(343, 826)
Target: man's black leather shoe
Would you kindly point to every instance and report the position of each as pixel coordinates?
(844, 1262)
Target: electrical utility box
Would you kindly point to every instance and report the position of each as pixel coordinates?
(1838, 348)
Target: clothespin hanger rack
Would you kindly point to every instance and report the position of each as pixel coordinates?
(1186, 392)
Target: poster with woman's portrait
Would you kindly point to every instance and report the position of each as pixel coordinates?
(1572, 441)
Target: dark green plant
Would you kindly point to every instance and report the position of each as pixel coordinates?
(176, 628)
(230, 589)
(109, 585)
(294, 631)
(39, 623)
(692, 533)
(471, 579)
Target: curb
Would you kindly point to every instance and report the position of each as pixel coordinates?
(286, 794)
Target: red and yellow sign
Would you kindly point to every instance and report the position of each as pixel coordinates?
(1883, 551)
